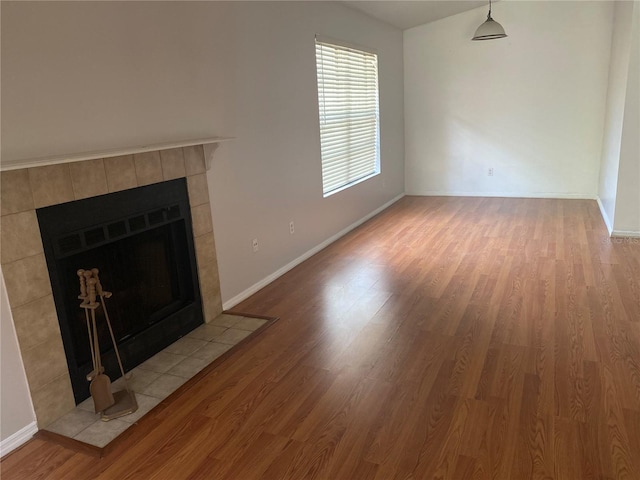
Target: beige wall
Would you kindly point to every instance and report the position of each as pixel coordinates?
(272, 173)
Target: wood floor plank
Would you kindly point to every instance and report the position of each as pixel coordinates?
(390, 425)
(534, 450)
(445, 338)
(346, 461)
(567, 456)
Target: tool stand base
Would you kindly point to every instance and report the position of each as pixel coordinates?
(125, 404)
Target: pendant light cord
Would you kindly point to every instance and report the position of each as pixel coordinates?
(489, 14)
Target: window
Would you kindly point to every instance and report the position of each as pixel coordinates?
(349, 114)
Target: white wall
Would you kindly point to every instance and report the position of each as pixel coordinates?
(627, 217)
(616, 94)
(82, 76)
(16, 410)
(531, 105)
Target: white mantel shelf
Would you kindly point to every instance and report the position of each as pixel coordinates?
(210, 144)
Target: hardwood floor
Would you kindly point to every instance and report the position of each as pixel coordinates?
(449, 338)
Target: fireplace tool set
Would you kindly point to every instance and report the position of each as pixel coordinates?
(110, 405)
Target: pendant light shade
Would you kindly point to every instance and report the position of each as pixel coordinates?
(490, 29)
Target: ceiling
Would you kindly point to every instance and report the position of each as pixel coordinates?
(408, 14)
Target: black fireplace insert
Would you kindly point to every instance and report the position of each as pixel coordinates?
(141, 241)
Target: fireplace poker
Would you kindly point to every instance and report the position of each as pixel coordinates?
(125, 400)
(83, 276)
(83, 297)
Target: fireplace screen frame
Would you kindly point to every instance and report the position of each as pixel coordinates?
(145, 208)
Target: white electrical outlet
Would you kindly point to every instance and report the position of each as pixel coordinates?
(255, 245)
(292, 228)
(490, 172)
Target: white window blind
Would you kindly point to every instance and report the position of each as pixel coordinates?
(349, 114)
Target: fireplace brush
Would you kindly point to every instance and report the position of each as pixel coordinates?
(124, 401)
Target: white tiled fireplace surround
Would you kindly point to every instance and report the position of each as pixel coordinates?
(23, 261)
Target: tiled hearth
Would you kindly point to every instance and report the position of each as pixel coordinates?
(158, 377)
(23, 261)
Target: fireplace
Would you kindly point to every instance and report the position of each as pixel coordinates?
(51, 182)
(141, 241)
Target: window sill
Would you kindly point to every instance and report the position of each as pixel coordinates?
(349, 185)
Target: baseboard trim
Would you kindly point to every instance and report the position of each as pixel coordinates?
(18, 439)
(625, 233)
(605, 217)
(573, 196)
(232, 302)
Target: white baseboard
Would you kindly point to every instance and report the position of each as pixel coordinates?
(612, 232)
(574, 196)
(17, 439)
(232, 302)
(625, 233)
(605, 217)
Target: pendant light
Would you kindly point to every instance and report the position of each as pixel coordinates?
(490, 29)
